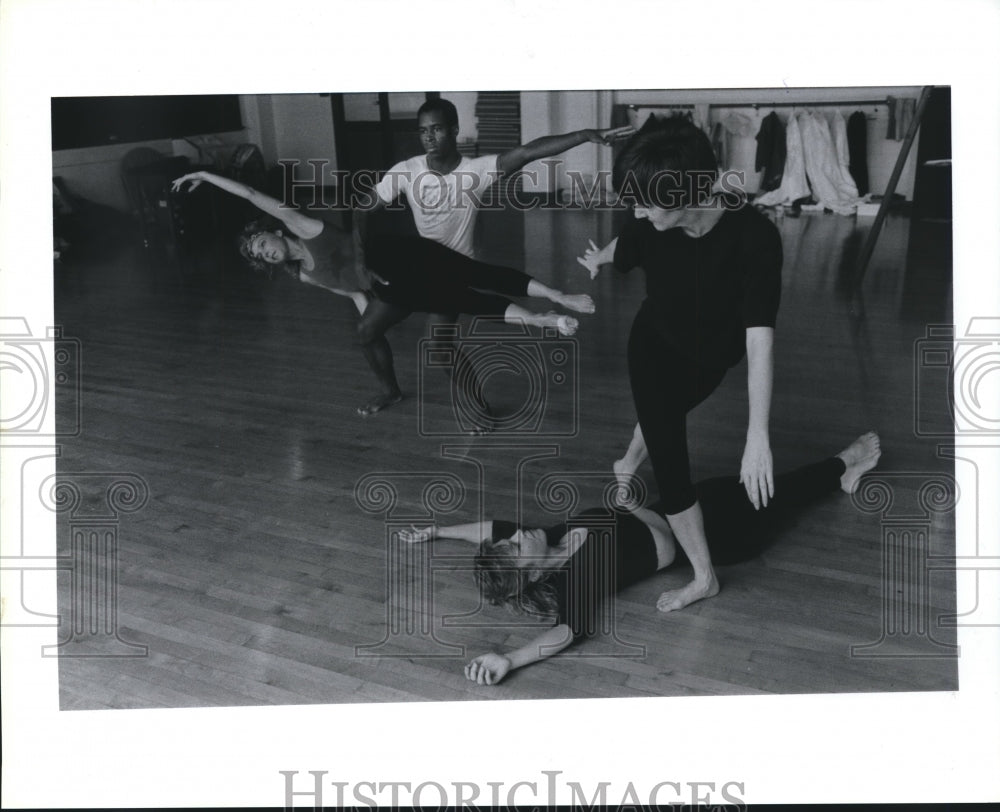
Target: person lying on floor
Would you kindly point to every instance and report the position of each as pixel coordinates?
(566, 571)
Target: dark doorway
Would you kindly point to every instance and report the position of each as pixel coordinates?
(376, 130)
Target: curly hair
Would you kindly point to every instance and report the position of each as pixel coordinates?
(669, 163)
(245, 238)
(503, 583)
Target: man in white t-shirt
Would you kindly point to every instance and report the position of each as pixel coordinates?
(444, 190)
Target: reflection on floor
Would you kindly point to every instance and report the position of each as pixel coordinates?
(262, 568)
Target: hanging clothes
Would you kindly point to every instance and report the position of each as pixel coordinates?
(794, 185)
(857, 146)
(771, 151)
(907, 109)
(738, 124)
(720, 146)
(838, 129)
(829, 186)
(901, 113)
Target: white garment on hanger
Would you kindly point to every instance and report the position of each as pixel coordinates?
(738, 124)
(793, 180)
(829, 187)
(839, 127)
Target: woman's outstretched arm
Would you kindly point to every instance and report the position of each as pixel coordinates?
(473, 532)
(489, 669)
(299, 224)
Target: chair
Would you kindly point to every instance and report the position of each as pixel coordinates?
(146, 175)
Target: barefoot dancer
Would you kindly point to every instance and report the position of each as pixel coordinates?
(411, 274)
(565, 573)
(713, 283)
(444, 190)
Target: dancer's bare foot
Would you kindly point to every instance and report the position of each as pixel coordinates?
(578, 303)
(674, 599)
(378, 403)
(860, 457)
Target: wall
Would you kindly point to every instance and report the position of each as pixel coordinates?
(547, 112)
(300, 126)
(555, 112)
(94, 174)
(302, 130)
(465, 104)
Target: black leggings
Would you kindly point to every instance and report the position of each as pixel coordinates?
(665, 387)
(425, 276)
(735, 531)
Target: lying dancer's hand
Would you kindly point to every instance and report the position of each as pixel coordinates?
(487, 669)
(757, 470)
(416, 535)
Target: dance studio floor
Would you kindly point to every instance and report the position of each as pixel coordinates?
(261, 568)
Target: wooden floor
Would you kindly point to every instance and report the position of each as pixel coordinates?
(259, 572)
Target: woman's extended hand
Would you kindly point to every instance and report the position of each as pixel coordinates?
(610, 135)
(591, 259)
(757, 470)
(416, 535)
(194, 178)
(487, 669)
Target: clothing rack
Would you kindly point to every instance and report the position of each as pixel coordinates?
(847, 103)
(757, 104)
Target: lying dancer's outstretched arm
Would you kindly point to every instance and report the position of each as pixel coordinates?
(593, 258)
(473, 532)
(298, 223)
(489, 669)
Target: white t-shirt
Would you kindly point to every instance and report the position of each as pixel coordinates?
(444, 206)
